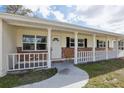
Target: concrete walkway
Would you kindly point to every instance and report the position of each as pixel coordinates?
(68, 76)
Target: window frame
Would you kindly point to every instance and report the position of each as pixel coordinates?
(101, 44)
(35, 43)
(70, 42)
(121, 45)
(81, 43)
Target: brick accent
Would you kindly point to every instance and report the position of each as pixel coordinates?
(66, 52)
(19, 50)
(69, 52)
(32, 57)
(98, 49)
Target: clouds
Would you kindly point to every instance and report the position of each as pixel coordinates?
(102, 17)
(59, 16)
(109, 18)
(46, 11)
(89, 11)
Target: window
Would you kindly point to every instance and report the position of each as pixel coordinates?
(108, 45)
(28, 42)
(41, 42)
(70, 42)
(81, 42)
(31, 42)
(121, 45)
(67, 41)
(101, 44)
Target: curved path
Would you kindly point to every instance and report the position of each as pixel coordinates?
(68, 76)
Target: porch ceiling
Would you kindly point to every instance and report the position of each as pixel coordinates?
(59, 26)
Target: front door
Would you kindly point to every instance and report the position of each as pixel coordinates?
(56, 47)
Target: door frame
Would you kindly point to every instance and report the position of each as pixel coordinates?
(60, 46)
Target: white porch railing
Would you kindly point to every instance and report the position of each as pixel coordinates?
(87, 56)
(120, 53)
(100, 55)
(21, 61)
(112, 54)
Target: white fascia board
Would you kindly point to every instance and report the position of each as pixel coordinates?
(55, 23)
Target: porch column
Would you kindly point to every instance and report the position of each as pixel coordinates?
(94, 47)
(3, 56)
(117, 52)
(1, 72)
(49, 47)
(76, 47)
(106, 48)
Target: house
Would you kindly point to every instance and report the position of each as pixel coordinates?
(28, 43)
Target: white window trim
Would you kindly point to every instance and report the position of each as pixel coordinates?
(35, 44)
(101, 45)
(78, 43)
(81, 43)
(71, 42)
(121, 46)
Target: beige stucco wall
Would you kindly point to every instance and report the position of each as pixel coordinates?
(29, 31)
(9, 38)
(20, 31)
(8, 45)
(62, 36)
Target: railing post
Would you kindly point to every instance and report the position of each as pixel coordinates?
(38, 63)
(75, 47)
(34, 60)
(18, 61)
(49, 47)
(106, 48)
(94, 46)
(29, 60)
(13, 62)
(24, 61)
(43, 59)
(8, 63)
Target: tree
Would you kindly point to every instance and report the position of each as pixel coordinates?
(35, 13)
(17, 9)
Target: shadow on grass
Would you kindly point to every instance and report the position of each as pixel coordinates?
(102, 67)
(13, 80)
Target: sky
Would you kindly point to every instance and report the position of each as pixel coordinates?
(104, 17)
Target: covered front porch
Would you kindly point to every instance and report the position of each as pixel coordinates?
(28, 43)
(41, 47)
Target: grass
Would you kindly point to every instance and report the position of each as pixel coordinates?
(105, 74)
(29, 77)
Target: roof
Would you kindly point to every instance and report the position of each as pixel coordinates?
(55, 23)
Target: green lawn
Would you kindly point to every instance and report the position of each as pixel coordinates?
(29, 77)
(103, 74)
